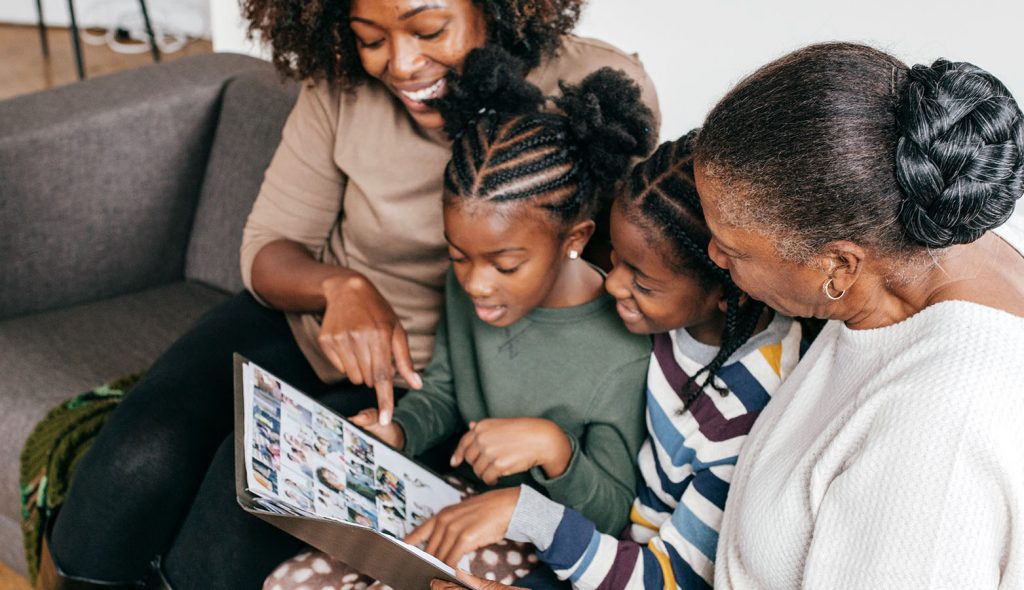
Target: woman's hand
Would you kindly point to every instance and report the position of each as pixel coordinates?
(362, 337)
(391, 433)
(472, 581)
(471, 524)
(497, 447)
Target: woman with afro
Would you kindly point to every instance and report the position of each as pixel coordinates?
(344, 261)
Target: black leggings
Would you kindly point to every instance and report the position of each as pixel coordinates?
(159, 480)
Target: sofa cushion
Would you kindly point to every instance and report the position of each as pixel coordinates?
(254, 107)
(48, 357)
(99, 181)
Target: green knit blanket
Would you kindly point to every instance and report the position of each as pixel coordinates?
(51, 454)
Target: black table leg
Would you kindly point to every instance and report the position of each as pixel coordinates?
(42, 30)
(149, 29)
(76, 41)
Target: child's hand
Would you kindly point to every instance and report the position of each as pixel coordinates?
(497, 447)
(469, 525)
(392, 434)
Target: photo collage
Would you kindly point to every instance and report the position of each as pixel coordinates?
(302, 459)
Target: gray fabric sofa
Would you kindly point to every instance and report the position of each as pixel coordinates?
(122, 201)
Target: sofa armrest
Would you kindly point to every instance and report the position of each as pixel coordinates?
(99, 181)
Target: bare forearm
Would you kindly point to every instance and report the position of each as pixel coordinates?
(285, 275)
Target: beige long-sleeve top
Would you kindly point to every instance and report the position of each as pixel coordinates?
(359, 184)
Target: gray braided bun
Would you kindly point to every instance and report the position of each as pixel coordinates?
(960, 155)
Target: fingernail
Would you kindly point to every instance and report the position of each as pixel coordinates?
(417, 381)
(385, 418)
(452, 461)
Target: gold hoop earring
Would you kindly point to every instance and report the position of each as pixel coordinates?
(826, 288)
(573, 254)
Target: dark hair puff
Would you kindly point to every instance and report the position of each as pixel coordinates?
(609, 128)
(960, 155)
(312, 39)
(493, 83)
(505, 149)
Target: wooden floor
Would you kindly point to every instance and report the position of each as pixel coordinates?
(23, 68)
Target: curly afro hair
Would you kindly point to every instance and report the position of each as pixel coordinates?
(312, 39)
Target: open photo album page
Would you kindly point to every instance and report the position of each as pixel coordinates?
(302, 459)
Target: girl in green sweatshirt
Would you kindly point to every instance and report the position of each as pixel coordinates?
(531, 356)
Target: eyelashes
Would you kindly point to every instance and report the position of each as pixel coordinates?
(642, 289)
(423, 36)
(434, 35)
(502, 270)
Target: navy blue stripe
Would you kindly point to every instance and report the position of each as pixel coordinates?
(686, 577)
(667, 485)
(570, 542)
(647, 498)
(653, 576)
(711, 487)
(744, 386)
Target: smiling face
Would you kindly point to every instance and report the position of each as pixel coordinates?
(652, 296)
(411, 45)
(507, 257)
(753, 261)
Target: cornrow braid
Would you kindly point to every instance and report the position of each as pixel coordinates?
(662, 199)
(506, 150)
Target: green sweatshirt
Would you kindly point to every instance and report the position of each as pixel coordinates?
(578, 367)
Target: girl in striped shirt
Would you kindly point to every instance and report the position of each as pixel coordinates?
(718, 356)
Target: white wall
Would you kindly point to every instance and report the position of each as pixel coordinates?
(695, 51)
(228, 30)
(190, 17)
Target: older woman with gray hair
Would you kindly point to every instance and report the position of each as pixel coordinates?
(838, 183)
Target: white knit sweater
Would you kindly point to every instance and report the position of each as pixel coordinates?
(891, 458)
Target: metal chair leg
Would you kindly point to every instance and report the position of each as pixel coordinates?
(75, 41)
(149, 30)
(42, 30)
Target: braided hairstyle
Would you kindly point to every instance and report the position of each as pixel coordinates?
(960, 155)
(312, 38)
(840, 141)
(661, 199)
(505, 149)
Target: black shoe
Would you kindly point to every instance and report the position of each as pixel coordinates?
(51, 577)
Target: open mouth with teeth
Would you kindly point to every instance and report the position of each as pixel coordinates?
(415, 99)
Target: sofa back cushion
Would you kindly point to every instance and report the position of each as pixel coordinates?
(254, 107)
(99, 180)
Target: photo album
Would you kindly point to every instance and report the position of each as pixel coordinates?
(312, 473)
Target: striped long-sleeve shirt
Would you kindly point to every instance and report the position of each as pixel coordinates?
(686, 464)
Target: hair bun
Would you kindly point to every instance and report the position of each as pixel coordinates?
(960, 155)
(493, 82)
(609, 122)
